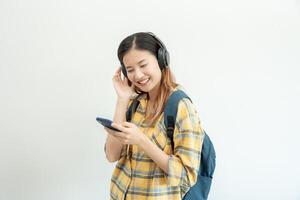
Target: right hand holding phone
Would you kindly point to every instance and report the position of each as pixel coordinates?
(129, 133)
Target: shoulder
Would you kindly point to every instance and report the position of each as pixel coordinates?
(185, 105)
(179, 87)
(186, 108)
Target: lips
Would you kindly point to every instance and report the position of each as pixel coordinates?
(143, 82)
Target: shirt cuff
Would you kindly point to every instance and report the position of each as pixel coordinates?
(176, 172)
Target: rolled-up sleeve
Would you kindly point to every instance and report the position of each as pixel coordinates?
(183, 165)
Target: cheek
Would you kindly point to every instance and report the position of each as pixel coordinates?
(154, 71)
(158, 74)
(129, 77)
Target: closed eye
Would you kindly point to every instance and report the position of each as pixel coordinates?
(130, 70)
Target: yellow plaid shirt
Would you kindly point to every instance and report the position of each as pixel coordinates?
(137, 177)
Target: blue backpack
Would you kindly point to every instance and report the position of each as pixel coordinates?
(200, 190)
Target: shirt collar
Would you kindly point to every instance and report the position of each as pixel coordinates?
(143, 98)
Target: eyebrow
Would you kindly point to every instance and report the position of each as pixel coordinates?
(138, 63)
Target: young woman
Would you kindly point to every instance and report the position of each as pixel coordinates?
(148, 167)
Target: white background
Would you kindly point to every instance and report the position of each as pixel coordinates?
(238, 60)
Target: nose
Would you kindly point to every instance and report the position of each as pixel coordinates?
(138, 74)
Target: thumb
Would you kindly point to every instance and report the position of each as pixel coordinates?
(127, 124)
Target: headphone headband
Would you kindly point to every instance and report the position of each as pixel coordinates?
(161, 44)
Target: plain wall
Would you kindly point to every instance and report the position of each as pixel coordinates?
(238, 60)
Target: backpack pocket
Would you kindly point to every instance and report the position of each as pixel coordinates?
(200, 190)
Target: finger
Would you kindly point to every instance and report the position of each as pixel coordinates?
(119, 127)
(117, 78)
(127, 124)
(117, 134)
(118, 70)
(113, 133)
(117, 73)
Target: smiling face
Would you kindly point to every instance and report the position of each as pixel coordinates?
(142, 70)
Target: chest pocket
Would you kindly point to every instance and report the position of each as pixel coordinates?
(159, 139)
(158, 135)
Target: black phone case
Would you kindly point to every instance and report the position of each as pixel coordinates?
(106, 123)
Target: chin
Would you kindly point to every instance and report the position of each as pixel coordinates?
(147, 89)
(143, 90)
(140, 89)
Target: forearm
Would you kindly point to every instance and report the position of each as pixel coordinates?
(155, 153)
(113, 146)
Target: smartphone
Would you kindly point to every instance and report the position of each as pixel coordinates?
(106, 123)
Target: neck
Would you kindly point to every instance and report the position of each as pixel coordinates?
(153, 94)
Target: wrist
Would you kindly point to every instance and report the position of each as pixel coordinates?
(123, 100)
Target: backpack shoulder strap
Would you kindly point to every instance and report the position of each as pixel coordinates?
(132, 108)
(170, 112)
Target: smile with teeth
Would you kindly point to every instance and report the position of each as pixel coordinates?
(143, 82)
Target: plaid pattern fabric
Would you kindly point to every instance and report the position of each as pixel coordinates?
(137, 177)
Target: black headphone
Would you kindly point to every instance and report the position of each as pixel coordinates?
(163, 56)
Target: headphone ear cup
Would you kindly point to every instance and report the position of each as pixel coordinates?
(166, 58)
(123, 70)
(160, 58)
(163, 58)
